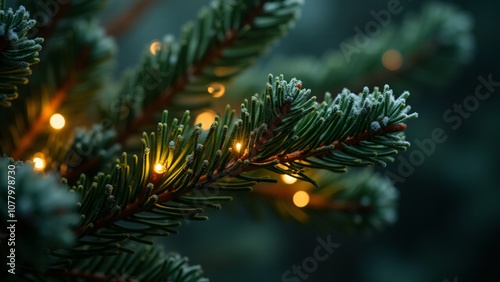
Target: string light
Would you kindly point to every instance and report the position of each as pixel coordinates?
(238, 147)
(155, 47)
(288, 179)
(159, 168)
(216, 89)
(301, 199)
(392, 60)
(39, 161)
(206, 119)
(57, 121)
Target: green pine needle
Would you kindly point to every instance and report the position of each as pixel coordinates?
(17, 52)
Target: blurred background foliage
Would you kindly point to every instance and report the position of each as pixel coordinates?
(448, 217)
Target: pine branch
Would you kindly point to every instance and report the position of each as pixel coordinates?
(90, 147)
(146, 264)
(61, 86)
(224, 37)
(73, 41)
(138, 199)
(17, 52)
(434, 44)
(60, 95)
(43, 208)
(350, 130)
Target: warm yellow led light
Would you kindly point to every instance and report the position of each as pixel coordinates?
(392, 60)
(206, 119)
(159, 168)
(39, 162)
(57, 121)
(216, 89)
(288, 179)
(301, 199)
(155, 47)
(238, 147)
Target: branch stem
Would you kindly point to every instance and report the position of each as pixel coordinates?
(55, 102)
(166, 196)
(168, 95)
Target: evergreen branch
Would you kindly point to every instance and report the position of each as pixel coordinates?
(181, 172)
(337, 144)
(147, 264)
(67, 84)
(17, 52)
(434, 44)
(56, 101)
(127, 18)
(438, 50)
(222, 38)
(44, 209)
(90, 147)
(350, 130)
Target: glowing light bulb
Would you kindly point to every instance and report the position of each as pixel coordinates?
(238, 146)
(39, 161)
(159, 168)
(216, 89)
(301, 199)
(288, 179)
(155, 47)
(392, 60)
(57, 121)
(206, 119)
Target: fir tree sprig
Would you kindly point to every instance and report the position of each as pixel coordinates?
(433, 44)
(224, 40)
(17, 52)
(42, 206)
(72, 33)
(284, 130)
(148, 263)
(77, 65)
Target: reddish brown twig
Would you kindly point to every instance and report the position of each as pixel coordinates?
(129, 17)
(167, 96)
(166, 196)
(316, 202)
(55, 102)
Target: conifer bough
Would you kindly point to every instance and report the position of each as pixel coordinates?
(17, 52)
(285, 130)
(182, 170)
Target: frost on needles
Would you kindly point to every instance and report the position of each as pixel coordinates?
(283, 130)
